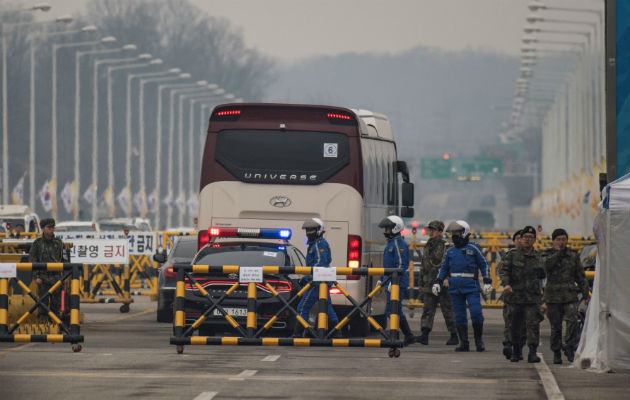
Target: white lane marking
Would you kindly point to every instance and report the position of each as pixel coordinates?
(273, 357)
(245, 374)
(206, 396)
(262, 378)
(549, 382)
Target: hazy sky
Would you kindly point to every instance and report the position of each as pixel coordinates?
(294, 29)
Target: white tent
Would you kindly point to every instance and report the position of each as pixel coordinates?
(605, 341)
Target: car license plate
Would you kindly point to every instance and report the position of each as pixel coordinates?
(235, 312)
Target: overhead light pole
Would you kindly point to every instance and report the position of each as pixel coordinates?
(95, 116)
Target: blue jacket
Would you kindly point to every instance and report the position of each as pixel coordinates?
(317, 255)
(396, 255)
(467, 260)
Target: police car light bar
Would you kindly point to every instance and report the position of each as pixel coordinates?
(263, 233)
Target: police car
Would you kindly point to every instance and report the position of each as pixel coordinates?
(243, 247)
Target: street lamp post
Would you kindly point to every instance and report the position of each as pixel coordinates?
(53, 189)
(130, 77)
(110, 116)
(97, 63)
(5, 27)
(177, 74)
(77, 110)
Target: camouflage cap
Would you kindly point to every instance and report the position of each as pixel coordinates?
(518, 233)
(437, 225)
(528, 229)
(47, 222)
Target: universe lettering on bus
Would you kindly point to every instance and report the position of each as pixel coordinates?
(269, 177)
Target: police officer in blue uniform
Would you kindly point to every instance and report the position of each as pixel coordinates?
(396, 255)
(317, 255)
(459, 274)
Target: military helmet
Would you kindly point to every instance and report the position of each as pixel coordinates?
(314, 223)
(394, 222)
(459, 226)
(437, 225)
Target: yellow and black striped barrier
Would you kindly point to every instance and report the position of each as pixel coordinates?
(94, 276)
(251, 335)
(70, 329)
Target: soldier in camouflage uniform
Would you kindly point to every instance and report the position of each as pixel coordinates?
(521, 273)
(565, 279)
(431, 263)
(47, 249)
(507, 311)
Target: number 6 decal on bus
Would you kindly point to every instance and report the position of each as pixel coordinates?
(330, 150)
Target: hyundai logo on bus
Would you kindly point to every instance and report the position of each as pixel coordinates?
(280, 201)
(268, 177)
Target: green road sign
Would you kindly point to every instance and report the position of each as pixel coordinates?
(435, 168)
(461, 168)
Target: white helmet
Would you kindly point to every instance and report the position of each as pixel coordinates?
(459, 225)
(394, 222)
(314, 223)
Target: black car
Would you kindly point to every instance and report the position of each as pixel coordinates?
(183, 251)
(243, 251)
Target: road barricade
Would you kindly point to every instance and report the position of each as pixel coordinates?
(68, 326)
(95, 276)
(251, 334)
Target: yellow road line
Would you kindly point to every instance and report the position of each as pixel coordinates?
(16, 348)
(151, 310)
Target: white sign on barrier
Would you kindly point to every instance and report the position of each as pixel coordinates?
(8, 270)
(99, 251)
(140, 243)
(324, 274)
(250, 274)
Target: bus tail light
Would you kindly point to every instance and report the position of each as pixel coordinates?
(334, 290)
(354, 254)
(227, 114)
(203, 238)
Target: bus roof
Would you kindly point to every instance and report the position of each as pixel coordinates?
(287, 116)
(378, 124)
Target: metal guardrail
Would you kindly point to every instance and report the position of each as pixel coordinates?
(251, 335)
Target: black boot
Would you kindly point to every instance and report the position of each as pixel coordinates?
(424, 338)
(507, 350)
(409, 336)
(516, 353)
(532, 357)
(557, 357)
(569, 353)
(453, 340)
(462, 332)
(478, 330)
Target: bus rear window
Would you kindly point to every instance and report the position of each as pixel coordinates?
(291, 157)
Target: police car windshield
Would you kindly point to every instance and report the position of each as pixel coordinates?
(185, 249)
(243, 254)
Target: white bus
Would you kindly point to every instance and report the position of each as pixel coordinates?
(276, 165)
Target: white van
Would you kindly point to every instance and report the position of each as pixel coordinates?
(14, 215)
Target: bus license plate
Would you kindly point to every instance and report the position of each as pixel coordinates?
(235, 312)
